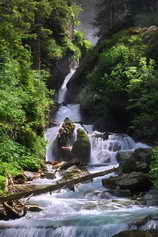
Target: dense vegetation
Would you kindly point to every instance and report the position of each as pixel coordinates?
(122, 87)
(121, 78)
(34, 35)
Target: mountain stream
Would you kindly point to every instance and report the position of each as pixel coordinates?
(90, 211)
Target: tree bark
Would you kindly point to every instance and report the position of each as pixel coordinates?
(53, 187)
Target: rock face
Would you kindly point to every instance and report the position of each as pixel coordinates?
(138, 161)
(81, 148)
(134, 233)
(136, 182)
(59, 71)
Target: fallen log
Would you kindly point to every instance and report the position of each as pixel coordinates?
(54, 187)
(14, 210)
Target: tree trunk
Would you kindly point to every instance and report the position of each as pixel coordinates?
(53, 187)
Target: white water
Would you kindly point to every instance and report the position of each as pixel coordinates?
(63, 89)
(71, 111)
(90, 211)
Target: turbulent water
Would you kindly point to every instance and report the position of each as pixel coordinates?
(91, 210)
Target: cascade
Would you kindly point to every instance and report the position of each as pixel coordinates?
(90, 211)
(63, 89)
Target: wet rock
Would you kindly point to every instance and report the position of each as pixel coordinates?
(136, 182)
(20, 179)
(2, 215)
(121, 193)
(151, 198)
(133, 233)
(139, 222)
(49, 175)
(31, 175)
(65, 139)
(97, 195)
(34, 208)
(66, 133)
(139, 160)
(81, 148)
(74, 172)
(60, 165)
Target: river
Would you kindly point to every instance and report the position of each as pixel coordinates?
(91, 210)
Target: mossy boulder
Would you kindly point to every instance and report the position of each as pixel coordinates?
(82, 149)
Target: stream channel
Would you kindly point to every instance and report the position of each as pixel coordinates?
(91, 210)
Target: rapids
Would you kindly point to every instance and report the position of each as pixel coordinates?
(90, 211)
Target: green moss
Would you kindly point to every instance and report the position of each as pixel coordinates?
(81, 148)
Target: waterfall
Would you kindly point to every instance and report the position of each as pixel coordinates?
(104, 150)
(63, 89)
(51, 135)
(92, 210)
(71, 111)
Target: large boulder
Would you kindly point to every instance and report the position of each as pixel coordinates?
(81, 149)
(136, 182)
(65, 135)
(64, 141)
(138, 161)
(133, 233)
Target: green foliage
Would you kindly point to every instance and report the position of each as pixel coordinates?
(83, 44)
(2, 184)
(124, 84)
(10, 169)
(34, 35)
(30, 163)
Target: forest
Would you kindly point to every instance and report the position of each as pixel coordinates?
(78, 118)
(34, 36)
(117, 85)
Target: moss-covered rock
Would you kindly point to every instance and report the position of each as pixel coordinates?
(139, 160)
(82, 149)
